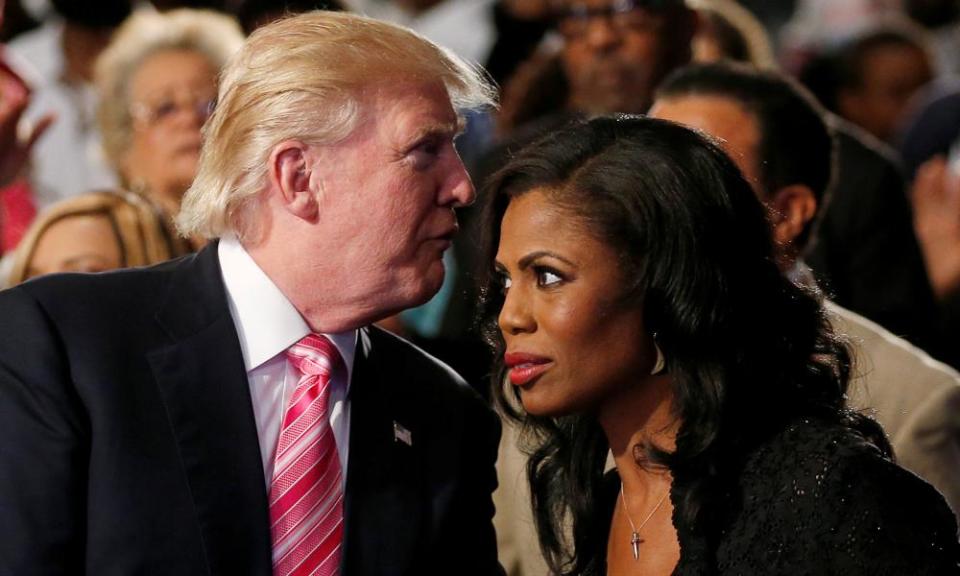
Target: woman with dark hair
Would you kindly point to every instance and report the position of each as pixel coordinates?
(640, 311)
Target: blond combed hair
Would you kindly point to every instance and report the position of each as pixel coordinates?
(303, 78)
(144, 233)
(145, 33)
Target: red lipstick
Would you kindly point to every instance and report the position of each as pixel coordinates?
(525, 368)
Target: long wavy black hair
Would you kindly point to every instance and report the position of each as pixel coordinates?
(747, 350)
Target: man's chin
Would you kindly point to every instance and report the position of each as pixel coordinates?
(433, 280)
(423, 288)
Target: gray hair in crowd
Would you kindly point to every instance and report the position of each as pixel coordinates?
(145, 33)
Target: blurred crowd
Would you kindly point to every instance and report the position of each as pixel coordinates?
(102, 106)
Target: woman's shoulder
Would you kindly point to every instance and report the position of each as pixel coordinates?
(819, 496)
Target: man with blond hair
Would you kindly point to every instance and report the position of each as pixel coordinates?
(234, 412)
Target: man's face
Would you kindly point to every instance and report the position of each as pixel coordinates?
(739, 133)
(616, 52)
(723, 118)
(388, 194)
(892, 75)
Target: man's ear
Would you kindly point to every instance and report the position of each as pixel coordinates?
(290, 179)
(793, 207)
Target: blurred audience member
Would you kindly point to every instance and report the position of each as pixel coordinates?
(165, 5)
(253, 14)
(865, 254)
(94, 232)
(612, 56)
(16, 20)
(936, 204)
(878, 74)
(931, 154)
(933, 126)
(776, 134)
(941, 18)
(821, 25)
(15, 146)
(464, 26)
(616, 52)
(158, 83)
(728, 31)
(58, 58)
(773, 14)
(520, 27)
(17, 207)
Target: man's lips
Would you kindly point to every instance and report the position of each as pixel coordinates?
(445, 238)
(525, 368)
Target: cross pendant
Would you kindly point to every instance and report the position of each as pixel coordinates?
(635, 544)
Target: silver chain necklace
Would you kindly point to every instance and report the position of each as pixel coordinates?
(635, 535)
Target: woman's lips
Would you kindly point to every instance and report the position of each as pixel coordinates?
(525, 368)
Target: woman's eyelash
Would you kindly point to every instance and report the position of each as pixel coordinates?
(547, 276)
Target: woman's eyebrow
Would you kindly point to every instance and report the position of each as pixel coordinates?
(531, 257)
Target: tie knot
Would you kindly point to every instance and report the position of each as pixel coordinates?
(314, 355)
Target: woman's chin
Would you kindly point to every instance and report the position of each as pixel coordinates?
(536, 404)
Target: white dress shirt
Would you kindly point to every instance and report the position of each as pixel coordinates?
(268, 324)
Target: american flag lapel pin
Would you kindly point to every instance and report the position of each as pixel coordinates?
(401, 434)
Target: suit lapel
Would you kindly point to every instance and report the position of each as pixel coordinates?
(204, 388)
(385, 491)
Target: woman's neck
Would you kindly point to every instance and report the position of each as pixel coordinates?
(641, 417)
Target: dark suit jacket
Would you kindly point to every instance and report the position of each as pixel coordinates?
(128, 443)
(866, 254)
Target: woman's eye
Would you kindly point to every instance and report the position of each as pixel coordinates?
(505, 282)
(546, 277)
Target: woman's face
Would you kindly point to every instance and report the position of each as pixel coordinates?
(82, 243)
(572, 344)
(171, 95)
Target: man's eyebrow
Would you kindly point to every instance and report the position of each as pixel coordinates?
(443, 130)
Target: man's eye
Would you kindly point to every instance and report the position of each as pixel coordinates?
(424, 155)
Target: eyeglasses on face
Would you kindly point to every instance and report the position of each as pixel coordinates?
(622, 15)
(162, 109)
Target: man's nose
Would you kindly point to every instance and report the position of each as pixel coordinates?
(458, 190)
(600, 34)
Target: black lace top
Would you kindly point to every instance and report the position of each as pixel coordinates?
(818, 499)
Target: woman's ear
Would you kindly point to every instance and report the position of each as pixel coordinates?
(290, 179)
(793, 208)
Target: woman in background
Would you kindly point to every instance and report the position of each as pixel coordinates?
(157, 82)
(640, 311)
(95, 232)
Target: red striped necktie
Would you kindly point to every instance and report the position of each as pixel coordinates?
(306, 494)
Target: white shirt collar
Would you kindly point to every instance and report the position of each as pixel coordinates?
(267, 323)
